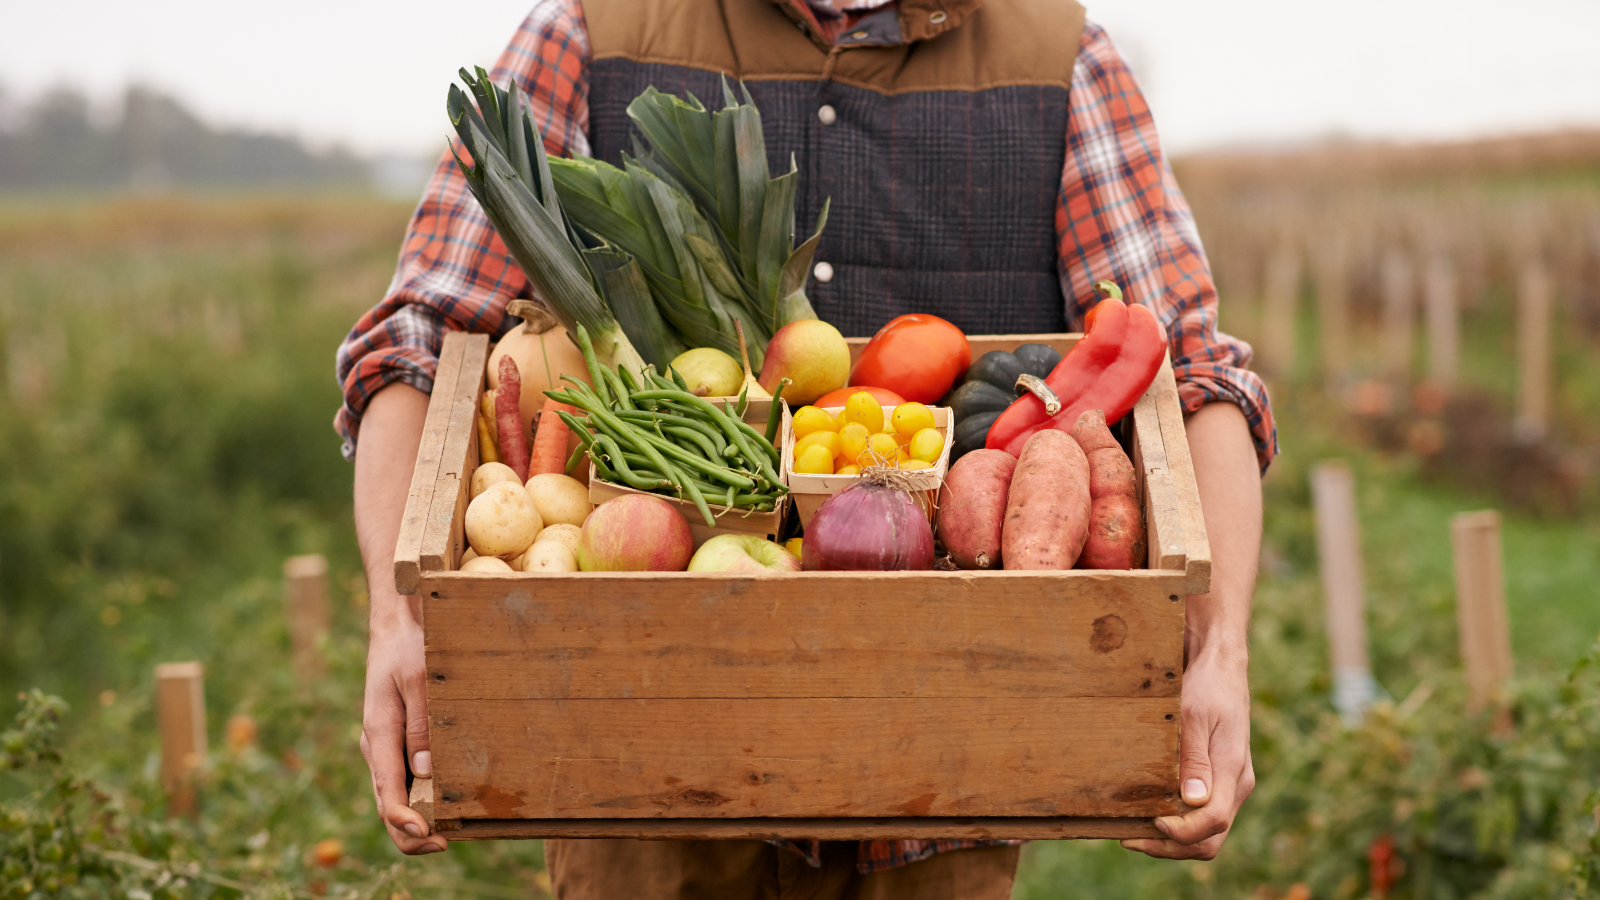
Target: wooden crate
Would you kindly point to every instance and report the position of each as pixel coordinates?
(833, 705)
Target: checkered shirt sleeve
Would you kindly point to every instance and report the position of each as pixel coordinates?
(454, 273)
(1122, 217)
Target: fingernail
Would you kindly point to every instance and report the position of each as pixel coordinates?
(1194, 789)
(422, 764)
(412, 828)
(1161, 825)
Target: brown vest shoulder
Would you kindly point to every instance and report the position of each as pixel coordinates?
(1003, 43)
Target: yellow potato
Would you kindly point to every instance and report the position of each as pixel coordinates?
(561, 533)
(561, 500)
(492, 564)
(502, 521)
(468, 555)
(549, 556)
(491, 473)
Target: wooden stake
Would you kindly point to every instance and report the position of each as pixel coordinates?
(1481, 611)
(1333, 310)
(1398, 304)
(1343, 587)
(1444, 322)
(1533, 353)
(1278, 312)
(306, 591)
(181, 718)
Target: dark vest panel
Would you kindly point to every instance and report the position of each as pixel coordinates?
(943, 201)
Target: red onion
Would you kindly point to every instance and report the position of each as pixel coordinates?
(874, 525)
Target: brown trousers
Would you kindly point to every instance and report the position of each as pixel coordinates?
(755, 870)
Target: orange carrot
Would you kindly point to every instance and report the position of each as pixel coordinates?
(508, 418)
(550, 441)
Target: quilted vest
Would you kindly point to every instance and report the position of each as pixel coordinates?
(937, 128)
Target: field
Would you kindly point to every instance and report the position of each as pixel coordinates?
(167, 444)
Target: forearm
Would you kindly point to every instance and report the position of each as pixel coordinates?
(391, 431)
(1230, 495)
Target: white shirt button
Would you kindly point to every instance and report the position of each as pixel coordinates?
(827, 115)
(822, 270)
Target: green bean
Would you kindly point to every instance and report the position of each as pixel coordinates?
(614, 452)
(614, 382)
(699, 499)
(572, 459)
(744, 400)
(677, 379)
(589, 359)
(694, 437)
(775, 413)
(632, 384)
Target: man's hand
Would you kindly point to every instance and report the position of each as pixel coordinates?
(1214, 770)
(394, 727)
(394, 719)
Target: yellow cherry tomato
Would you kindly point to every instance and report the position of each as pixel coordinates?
(910, 418)
(793, 546)
(814, 461)
(853, 440)
(927, 444)
(848, 469)
(901, 455)
(863, 407)
(810, 420)
(827, 439)
(901, 439)
(913, 465)
(881, 450)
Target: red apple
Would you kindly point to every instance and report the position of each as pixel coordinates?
(635, 533)
(743, 553)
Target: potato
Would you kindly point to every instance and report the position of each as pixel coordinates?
(549, 556)
(561, 533)
(468, 555)
(490, 473)
(560, 499)
(502, 521)
(491, 564)
(1047, 510)
(1116, 522)
(972, 507)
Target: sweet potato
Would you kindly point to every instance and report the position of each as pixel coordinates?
(508, 418)
(972, 507)
(1116, 523)
(1047, 510)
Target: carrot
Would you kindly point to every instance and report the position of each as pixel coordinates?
(508, 418)
(550, 441)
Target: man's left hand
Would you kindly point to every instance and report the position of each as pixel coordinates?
(1214, 767)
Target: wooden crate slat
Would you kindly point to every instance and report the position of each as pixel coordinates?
(1041, 828)
(1163, 522)
(813, 635)
(442, 537)
(1180, 467)
(419, 498)
(813, 757)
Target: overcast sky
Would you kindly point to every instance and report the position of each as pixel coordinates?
(373, 75)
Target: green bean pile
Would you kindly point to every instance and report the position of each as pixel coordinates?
(648, 431)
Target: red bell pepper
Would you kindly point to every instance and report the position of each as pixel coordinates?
(1109, 370)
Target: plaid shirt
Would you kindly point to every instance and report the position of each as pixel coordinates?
(1120, 216)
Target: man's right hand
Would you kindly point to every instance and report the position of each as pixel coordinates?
(394, 720)
(394, 728)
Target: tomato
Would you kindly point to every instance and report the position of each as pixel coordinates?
(917, 356)
(842, 396)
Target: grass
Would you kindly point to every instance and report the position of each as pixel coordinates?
(166, 443)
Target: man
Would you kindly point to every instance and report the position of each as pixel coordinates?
(987, 161)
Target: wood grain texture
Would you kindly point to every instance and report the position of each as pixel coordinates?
(818, 634)
(928, 828)
(442, 538)
(419, 499)
(421, 799)
(737, 758)
(1191, 522)
(181, 719)
(1161, 517)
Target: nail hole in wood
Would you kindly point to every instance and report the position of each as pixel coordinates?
(1170, 676)
(435, 595)
(1169, 717)
(1172, 597)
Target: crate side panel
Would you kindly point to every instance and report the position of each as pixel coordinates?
(812, 635)
(723, 758)
(442, 540)
(419, 498)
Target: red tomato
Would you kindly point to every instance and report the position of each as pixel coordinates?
(837, 398)
(917, 356)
